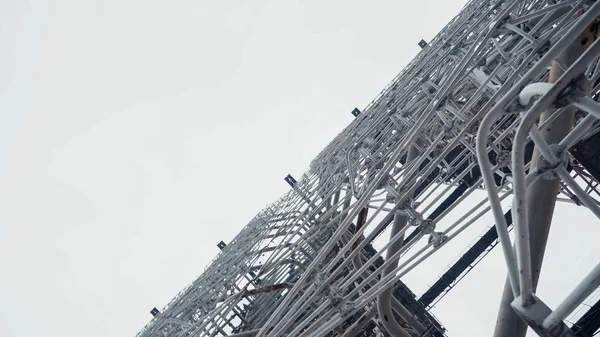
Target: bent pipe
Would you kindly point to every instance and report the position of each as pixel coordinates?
(393, 302)
(384, 299)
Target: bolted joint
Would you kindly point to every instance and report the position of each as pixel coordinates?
(534, 313)
(335, 290)
(406, 204)
(577, 88)
(437, 239)
(513, 106)
(319, 279)
(392, 195)
(450, 127)
(335, 295)
(337, 178)
(416, 219)
(503, 158)
(377, 330)
(414, 204)
(426, 226)
(345, 309)
(390, 180)
(548, 170)
(335, 300)
(413, 222)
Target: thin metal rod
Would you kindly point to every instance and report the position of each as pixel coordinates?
(585, 288)
(578, 131)
(384, 305)
(587, 104)
(488, 178)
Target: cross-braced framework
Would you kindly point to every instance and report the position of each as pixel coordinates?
(502, 99)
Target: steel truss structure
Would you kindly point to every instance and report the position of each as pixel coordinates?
(463, 116)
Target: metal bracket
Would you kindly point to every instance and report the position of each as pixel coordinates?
(548, 170)
(437, 239)
(345, 309)
(503, 158)
(535, 314)
(578, 87)
(426, 226)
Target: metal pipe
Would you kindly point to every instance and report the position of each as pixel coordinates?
(387, 262)
(357, 263)
(311, 294)
(394, 240)
(488, 178)
(541, 195)
(384, 305)
(384, 299)
(394, 157)
(585, 198)
(580, 293)
(357, 247)
(433, 67)
(405, 267)
(395, 304)
(485, 125)
(578, 131)
(362, 221)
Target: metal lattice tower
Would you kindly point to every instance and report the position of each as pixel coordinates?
(503, 99)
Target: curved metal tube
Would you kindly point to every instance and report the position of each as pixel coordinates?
(488, 179)
(394, 303)
(384, 300)
(386, 310)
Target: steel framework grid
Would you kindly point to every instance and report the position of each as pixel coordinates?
(290, 271)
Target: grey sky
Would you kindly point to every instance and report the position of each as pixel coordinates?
(135, 135)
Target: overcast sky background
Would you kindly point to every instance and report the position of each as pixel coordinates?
(135, 135)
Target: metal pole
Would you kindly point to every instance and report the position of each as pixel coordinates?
(398, 225)
(384, 304)
(541, 196)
